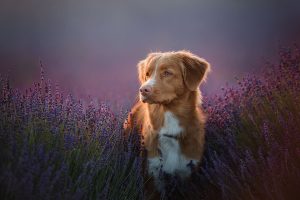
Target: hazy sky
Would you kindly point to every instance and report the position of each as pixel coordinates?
(95, 45)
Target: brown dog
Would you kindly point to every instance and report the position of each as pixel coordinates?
(169, 112)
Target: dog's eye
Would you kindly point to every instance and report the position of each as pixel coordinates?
(167, 73)
(147, 75)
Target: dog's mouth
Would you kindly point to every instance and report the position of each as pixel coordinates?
(146, 99)
(151, 100)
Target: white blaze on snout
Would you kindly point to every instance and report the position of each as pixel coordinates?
(152, 80)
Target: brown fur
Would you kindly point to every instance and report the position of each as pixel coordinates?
(178, 93)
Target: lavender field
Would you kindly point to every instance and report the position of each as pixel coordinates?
(56, 146)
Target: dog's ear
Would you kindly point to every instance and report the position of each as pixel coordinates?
(194, 69)
(142, 66)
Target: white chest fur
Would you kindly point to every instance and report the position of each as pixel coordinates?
(171, 160)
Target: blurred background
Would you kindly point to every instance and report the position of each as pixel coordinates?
(94, 46)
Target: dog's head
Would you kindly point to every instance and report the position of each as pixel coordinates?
(166, 76)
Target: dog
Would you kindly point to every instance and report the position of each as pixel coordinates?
(168, 114)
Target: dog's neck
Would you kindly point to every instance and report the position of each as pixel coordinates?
(182, 107)
(185, 103)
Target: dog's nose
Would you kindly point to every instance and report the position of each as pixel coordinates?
(145, 90)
